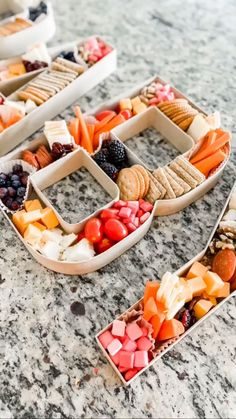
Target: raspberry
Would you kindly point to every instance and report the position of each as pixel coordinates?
(117, 152)
(110, 170)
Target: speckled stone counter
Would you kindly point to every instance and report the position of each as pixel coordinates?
(50, 366)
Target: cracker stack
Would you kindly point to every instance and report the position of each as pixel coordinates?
(179, 111)
(51, 82)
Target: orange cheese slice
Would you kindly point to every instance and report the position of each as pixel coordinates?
(48, 218)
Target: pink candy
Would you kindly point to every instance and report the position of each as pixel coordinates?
(144, 217)
(126, 359)
(106, 338)
(114, 347)
(129, 345)
(118, 328)
(140, 359)
(145, 206)
(144, 344)
(125, 212)
(133, 331)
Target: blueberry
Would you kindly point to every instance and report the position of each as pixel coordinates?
(19, 200)
(17, 168)
(11, 191)
(24, 180)
(14, 177)
(3, 176)
(8, 183)
(2, 182)
(21, 191)
(3, 193)
(8, 202)
(15, 184)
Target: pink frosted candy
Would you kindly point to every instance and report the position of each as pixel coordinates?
(92, 44)
(140, 359)
(118, 328)
(153, 101)
(123, 369)
(116, 358)
(144, 330)
(144, 344)
(133, 331)
(105, 338)
(114, 347)
(131, 227)
(130, 374)
(125, 212)
(170, 96)
(134, 205)
(140, 213)
(126, 359)
(129, 220)
(146, 206)
(158, 86)
(129, 345)
(144, 217)
(166, 88)
(136, 222)
(120, 204)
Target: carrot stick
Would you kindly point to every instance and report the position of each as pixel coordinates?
(73, 127)
(117, 120)
(85, 139)
(210, 162)
(90, 128)
(218, 143)
(104, 121)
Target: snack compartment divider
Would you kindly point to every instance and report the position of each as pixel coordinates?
(63, 167)
(180, 272)
(16, 133)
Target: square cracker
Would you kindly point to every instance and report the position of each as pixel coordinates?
(161, 177)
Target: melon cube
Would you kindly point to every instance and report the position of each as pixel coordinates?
(16, 219)
(213, 282)
(201, 308)
(197, 285)
(33, 205)
(224, 291)
(187, 292)
(197, 269)
(30, 217)
(48, 218)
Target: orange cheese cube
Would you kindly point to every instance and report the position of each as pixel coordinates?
(33, 205)
(187, 294)
(197, 286)
(136, 101)
(48, 218)
(40, 226)
(30, 217)
(212, 299)
(17, 69)
(213, 282)
(197, 269)
(16, 219)
(201, 308)
(32, 234)
(125, 104)
(139, 108)
(224, 291)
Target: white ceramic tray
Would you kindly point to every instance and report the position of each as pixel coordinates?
(180, 272)
(18, 132)
(17, 43)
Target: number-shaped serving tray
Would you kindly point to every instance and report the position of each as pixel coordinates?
(18, 42)
(58, 170)
(180, 272)
(15, 134)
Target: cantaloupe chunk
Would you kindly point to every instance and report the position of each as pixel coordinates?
(156, 322)
(16, 219)
(40, 226)
(150, 309)
(30, 217)
(213, 282)
(197, 269)
(211, 298)
(33, 205)
(187, 293)
(170, 329)
(201, 308)
(32, 234)
(150, 290)
(197, 285)
(48, 218)
(224, 291)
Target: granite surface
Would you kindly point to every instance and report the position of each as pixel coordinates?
(50, 366)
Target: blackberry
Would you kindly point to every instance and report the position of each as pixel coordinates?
(117, 152)
(110, 170)
(101, 156)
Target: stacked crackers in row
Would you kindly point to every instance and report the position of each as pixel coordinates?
(168, 182)
(61, 73)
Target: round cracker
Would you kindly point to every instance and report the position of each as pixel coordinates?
(145, 175)
(165, 104)
(141, 182)
(184, 125)
(128, 183)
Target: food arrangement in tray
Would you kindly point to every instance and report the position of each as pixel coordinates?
(68, 75)
(175, 304)
(138, 192)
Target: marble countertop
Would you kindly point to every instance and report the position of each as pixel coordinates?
(50, 365)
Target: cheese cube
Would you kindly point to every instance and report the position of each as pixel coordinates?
(139, 108)
(30, 217)
(51, 250)
(213, 282)
(212, 299)
(187, 292)
(48, 218)
(224, 291)
(198, 128)
(32, 234)
(136, 101)
(197, 269)
(33, 205)
(16, 219)
(17, 69)
(50, 235)
(67, 240)
(201, 308)
(197, 286)
(125, 104)
(38, 225)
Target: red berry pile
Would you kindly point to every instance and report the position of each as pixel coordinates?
(115, 223)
